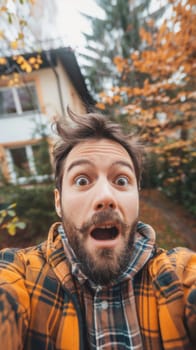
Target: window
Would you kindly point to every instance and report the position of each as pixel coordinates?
(20, 162)
(7, 104)
(18, 100)
(27, 97)
(31, 162)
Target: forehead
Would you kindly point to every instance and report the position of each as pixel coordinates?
(107, 150)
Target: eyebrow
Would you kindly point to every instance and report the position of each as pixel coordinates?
(124, 163)
(87, 162)
(79, 162)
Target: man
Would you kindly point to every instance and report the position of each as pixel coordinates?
(98, 282)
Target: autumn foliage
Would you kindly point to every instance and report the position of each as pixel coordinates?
(160, 104)
(15, 40)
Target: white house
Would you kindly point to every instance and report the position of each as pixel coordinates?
(27, 109)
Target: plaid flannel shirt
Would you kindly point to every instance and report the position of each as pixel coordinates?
(41, 303)
(110, 312)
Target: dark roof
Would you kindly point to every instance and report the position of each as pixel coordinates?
(49, 59)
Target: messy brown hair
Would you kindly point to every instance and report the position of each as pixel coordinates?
(96, 126)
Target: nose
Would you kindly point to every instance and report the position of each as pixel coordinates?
(104, 198)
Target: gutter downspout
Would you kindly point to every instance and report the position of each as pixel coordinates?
(48, 55)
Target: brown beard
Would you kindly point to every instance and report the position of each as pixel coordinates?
(107, 265)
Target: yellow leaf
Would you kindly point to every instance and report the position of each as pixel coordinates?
(23, 22)
(23, 66)
(1, 34)
(15, 219)
(32, 60)
(11, 229)
(3, 60)
(20, 59)
(28, 68)
(14, 45)
(13, 205)
(20, 36)
(36, 66)
(3, 9)
(3, 213)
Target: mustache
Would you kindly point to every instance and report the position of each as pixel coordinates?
(103, 217)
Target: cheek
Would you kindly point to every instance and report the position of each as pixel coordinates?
(131, 205)
(74, 206)
(69, 207)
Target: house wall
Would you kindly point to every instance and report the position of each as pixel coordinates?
(50, 96)
(18, 130)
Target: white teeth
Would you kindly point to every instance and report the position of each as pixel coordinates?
(105, 226)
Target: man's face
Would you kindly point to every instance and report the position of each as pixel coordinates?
(98, 205)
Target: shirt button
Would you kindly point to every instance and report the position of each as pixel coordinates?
(104, 305)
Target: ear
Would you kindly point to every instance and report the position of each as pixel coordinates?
(57, 200)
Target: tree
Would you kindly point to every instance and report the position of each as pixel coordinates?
(162, 108)
(117, 34)
(16, 37)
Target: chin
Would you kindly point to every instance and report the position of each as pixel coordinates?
(103, 267)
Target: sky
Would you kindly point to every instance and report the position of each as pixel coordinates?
(59, 19)
(50, 20)
(71, 24)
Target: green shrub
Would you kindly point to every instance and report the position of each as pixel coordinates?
(35, 206)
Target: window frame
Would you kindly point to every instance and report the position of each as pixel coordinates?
(34, 175)
(18, 102)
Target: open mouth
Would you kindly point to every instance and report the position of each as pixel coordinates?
(105, 233)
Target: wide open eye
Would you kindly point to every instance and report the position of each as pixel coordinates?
(122, 181)
(81, 180)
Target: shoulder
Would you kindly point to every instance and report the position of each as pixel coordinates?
(182, 257)
(18, 259)
(19, 269)
(178, 259)
(13, 279)
(173, 270)
(173, 276)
